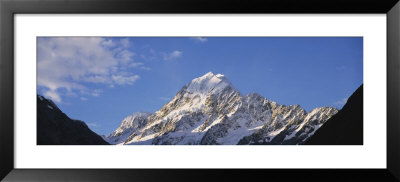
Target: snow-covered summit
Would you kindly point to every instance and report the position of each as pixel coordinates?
(208, 82)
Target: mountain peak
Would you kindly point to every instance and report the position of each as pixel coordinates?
(220, 75)
(211, 74)
(208, 74)
(208, 82)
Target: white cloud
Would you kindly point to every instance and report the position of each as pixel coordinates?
(136, 64)
(83, 99)
(125, 42)
(139, 65)
(122, 80)
(145, 68)
(96, 79)
(65, 64)
(125, 56)
(52, 95)
(92, 92)
(173, 55)
(341, 102)
(96, 92)
(199, 39)
(108, 43)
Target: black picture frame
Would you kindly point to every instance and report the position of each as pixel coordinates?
(8, 8)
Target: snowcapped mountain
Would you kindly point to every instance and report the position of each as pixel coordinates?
(209, 110)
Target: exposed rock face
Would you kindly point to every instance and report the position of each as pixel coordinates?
(210, 111)
(346, 127)
(128, 126)
(293, 130)
(56, 128)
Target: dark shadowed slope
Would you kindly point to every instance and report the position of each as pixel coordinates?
(56, 128)
(344, 128)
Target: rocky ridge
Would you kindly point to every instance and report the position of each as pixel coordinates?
(209, 110)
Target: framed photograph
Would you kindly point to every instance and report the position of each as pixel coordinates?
(122, 91)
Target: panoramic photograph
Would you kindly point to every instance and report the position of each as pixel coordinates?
(199, 90)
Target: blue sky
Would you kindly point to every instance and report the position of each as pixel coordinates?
(101, 80)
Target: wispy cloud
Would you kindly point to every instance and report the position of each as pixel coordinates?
(125, 42)
(125, 56)
(83, 98)
(96, 92)
(123, 80)
(91, 92)
(199, 39)
(139, 65)
(108, 43)
(172, 55)
(341, 102)
(136, 64)
(65, 64)
(53, 95)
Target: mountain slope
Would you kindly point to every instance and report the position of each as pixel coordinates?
(56, 128)
(344, 128)
(128, 126)
(209, 110)
(299, 128)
